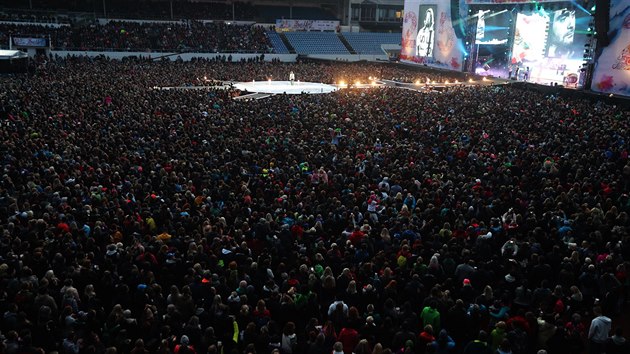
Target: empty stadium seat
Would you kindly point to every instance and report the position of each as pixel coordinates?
(316, 43)
(370, 42)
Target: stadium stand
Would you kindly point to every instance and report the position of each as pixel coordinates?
(270, 14)
(134, 36)
(369, 42)
(316, 43)
(278, 45)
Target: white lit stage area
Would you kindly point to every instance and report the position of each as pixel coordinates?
(255, 90)
(284, 87)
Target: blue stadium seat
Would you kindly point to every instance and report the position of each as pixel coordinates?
(277, 43)
(370, 42)
(316, 43)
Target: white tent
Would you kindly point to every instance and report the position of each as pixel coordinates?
(12, 54)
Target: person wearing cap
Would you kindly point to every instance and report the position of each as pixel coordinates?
(184, 346)
(467, 292)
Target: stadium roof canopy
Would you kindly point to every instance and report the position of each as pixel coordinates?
(12, 54)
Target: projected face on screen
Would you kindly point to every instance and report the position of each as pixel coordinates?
(426, 32)
(563, 28)
(561, 34)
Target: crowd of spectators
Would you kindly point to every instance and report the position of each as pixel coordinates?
(150, 36)
(381, 220)
(199, 70)
(138, 9)
(43, 17)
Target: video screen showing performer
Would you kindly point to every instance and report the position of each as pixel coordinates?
(562, 35)
(426, 31)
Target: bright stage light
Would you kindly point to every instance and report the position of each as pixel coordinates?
(484, 79)
(205, 78)
(457, 82)
(417, 82)
(471, 80)
(342, 83)
(373, 83)
(446, 82)
(357, 82)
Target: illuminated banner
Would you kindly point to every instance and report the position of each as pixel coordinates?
(306, 25)
(29, 42)
(494, 2)
(612, 70)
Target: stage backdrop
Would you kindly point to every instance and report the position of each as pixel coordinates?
(612, 71)
(429, 37)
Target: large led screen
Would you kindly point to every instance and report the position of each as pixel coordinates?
(549, 45)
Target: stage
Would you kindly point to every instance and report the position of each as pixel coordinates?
(255, 90)
(284, 87)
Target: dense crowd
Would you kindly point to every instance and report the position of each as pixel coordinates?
(150, 36)
(44, 17)
(476, 220)
(36, 9)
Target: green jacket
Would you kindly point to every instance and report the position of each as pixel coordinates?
(431, 316)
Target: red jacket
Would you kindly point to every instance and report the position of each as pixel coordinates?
(349, 337)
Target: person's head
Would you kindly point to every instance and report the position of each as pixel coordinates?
(429, 18)
(184, 340)
(501, 325)
(442, 338)
(563, 28)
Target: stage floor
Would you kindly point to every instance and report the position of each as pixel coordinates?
(279, 87)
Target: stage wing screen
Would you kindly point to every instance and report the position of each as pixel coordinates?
(530, 38)
(493, 28)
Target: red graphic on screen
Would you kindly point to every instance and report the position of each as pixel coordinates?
(454, 63)
(606, 83)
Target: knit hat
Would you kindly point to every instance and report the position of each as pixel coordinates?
(185, 340)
